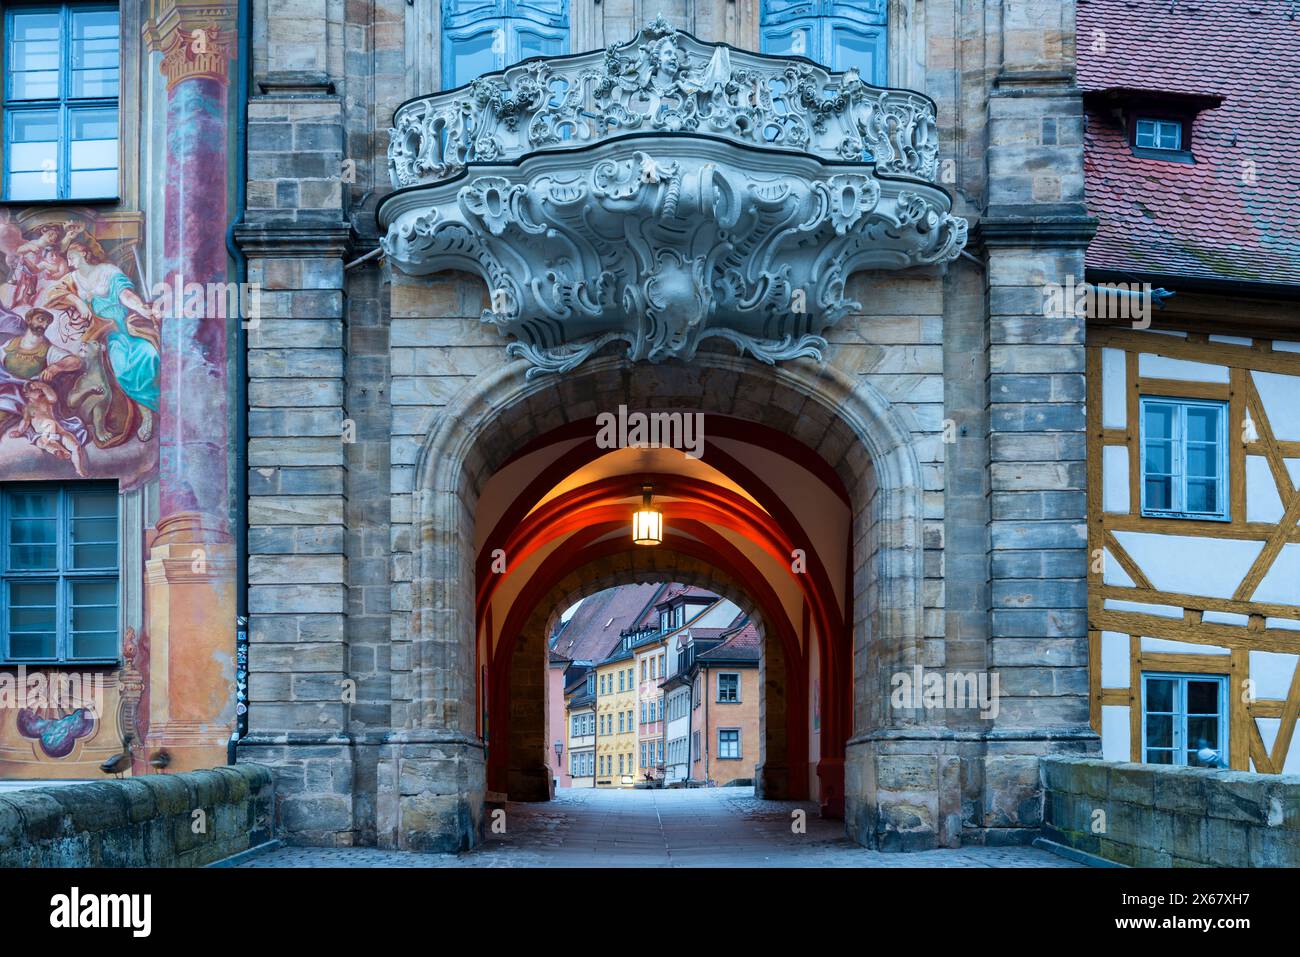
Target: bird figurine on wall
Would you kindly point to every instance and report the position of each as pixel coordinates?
(119, 763)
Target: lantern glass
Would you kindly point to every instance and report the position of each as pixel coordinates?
(647, 526)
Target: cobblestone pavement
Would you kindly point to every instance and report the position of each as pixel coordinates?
(717, 827)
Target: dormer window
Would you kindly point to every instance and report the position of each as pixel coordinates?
(1157, 134)
(1163, 135)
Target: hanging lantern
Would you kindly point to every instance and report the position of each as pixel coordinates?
(647, 521)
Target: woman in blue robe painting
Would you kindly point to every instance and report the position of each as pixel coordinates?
(104, 307)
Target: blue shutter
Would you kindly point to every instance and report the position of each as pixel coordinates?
(835, 33)
(481, 36)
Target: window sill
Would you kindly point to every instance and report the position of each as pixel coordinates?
(1171, 156)
(30, 663)
(96, 201)
(1186, 516)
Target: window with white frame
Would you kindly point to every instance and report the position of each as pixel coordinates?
(728, 688)
(1185, 719)
(1157, 134)
(59, 569)
(728, 743)
(61, 87)
(1184, 458)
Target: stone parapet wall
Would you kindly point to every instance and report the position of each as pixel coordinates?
(1146, 815)
(157, 820)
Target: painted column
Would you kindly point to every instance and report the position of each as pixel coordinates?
(190, 572)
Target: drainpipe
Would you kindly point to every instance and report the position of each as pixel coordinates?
(244, 28)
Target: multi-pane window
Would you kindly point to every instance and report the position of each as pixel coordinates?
(728, 688)
(61, 82)
(60, 573)
(1184, 719)
(839, 34)
(643, 761)
(1158, 134)
(729, 743)
(1184, 458)
(661, 751)
(480, 36)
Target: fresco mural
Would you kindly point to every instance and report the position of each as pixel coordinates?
(80, 367)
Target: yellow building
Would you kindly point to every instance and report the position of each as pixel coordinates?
(616, 702)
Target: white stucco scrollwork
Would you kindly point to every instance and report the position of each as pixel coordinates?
(664, 193)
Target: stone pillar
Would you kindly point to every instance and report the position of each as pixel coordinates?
(1033, 235)
(297, 238)
(528, 773)
(772, 776)
(190, 570)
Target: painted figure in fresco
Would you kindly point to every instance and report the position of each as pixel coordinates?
(41, 423)
(30, 359)
(102, 305)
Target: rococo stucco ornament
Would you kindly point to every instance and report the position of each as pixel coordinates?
(665, 192)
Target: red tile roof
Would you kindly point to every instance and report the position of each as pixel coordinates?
(1204, 220)
(593, 631)
(741, 645)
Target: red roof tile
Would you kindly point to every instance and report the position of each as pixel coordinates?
(593, 631)
(1205, 220)
(742, 644)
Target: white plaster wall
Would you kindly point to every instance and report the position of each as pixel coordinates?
(1169, 646)
(1162, 367)
(1262, 501)
(1114, 660)
(1141, 608)
(1114, 407)
(1114, 479)
(1115, 739)
(1272, 673)
(1191, 565)
(1113, 572)
(1281, 585)
(1280, 395)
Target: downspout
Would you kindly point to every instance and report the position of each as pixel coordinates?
(244, 56)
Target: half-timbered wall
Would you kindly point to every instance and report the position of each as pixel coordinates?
(1177, 595)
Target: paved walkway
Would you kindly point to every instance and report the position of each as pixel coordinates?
(715, 827)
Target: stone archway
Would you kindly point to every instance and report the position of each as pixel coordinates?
(526, 770)
(844, 421)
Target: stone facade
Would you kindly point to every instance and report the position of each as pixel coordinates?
(1144, 815)
(948, 407)
(177, 820)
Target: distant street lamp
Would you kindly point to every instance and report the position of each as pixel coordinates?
(559, 750)
(647, 521)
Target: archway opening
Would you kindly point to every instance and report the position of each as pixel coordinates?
(560, 528)
(794, 489)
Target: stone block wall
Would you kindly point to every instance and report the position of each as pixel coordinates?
(1147, 815)
(156, 820)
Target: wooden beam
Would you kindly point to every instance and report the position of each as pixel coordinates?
(1240, 721)
(1184, 389)
(1290, 711)
(1186, 664)
(1151, 596)
(1224, 636)
(1213, 353)
(1135, 697)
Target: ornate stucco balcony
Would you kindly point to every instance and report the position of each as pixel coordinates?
(664, 192)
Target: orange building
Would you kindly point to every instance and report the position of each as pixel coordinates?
(724, 740)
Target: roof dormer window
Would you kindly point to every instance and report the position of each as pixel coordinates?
(1158, 134)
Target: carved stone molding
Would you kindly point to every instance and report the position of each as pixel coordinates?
(663, 80)
(659, 195)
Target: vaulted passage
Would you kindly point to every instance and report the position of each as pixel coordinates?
(561, 530)
(755, 508)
